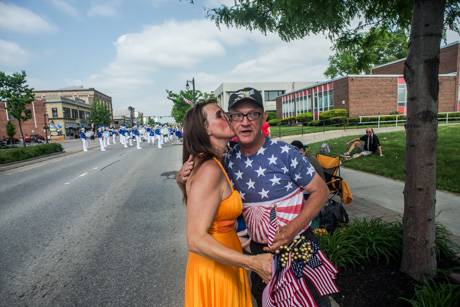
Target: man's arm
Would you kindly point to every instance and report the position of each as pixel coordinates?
(318, 192)
(184, 173)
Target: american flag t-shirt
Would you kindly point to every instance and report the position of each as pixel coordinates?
(272, 177)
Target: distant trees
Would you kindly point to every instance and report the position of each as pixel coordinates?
(100, 114)
(17, 95)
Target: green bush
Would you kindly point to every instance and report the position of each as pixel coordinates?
(339, 120)
(315, 123)
(305, 117)
(432, 294)
(288, 120)
(362, 242)
(372, 240)
(333, 113)
(274, 122)
(19, 154)
(271, 115)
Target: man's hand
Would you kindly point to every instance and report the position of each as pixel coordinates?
(185, 171)
(284, 236)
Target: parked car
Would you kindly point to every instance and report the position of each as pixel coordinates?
(36, 138)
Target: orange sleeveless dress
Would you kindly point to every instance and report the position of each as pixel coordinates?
(209, 283)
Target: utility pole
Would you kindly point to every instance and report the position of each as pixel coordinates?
(187, 86)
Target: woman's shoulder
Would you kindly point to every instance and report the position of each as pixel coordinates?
(208, 170)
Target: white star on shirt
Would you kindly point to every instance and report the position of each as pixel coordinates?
(239, 175)
(238, 154)
(248, 163)
(230, 164)
(285, 149)
(275, 180)
(250, 184)
(261, 171)
(261, 151)
(310, 171)
(274, 141)
(285, 170)
(297, 177)
(288, 186)
(263, 194)
(294, 163)
(242, 195)
(272, 160)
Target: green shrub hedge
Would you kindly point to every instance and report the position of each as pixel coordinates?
(333, 113)
(19, 154)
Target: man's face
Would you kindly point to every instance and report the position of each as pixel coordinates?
(248, 129)
(368, 131)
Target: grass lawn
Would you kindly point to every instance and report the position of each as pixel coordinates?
(392, 163)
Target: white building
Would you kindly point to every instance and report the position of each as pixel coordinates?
(270, 91)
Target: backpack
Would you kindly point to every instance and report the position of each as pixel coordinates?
(332, 215)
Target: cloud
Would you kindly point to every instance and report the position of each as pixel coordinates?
(165, 55)
(66, 7)
(18, 19)
(217, 3)
(107, 9)
(13, 56)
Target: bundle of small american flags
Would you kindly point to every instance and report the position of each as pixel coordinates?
(288, 286)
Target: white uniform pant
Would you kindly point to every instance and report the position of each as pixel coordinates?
(130, 141)
(138, 142)
(101, 144)
(114, 138)
(85, 144)
(108, 139)
(158, 138)
(149, 139)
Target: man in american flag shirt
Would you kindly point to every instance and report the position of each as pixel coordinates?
(271, 177)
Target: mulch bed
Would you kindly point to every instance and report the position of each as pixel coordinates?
(378, 285)
(375, 285)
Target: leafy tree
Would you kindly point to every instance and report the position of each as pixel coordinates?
(10, 129)
(428, 21)
(100, 114)
(183, 101)
(17, 95)
(358, 53)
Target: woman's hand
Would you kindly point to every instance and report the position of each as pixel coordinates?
(185, 171)
(262, 265)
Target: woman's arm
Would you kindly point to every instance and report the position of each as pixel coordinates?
(204, 193)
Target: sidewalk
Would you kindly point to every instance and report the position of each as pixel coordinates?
(377, 196)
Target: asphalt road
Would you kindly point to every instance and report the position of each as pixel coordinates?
(95, 228)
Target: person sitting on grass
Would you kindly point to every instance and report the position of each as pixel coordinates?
(365, 145)
(305, 151)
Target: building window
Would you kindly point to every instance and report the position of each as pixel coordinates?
(74, 113)
(54, 112)
(81, 114)
(272, 95)
(402, 98)
(66, 112)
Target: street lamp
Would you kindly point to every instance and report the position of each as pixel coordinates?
(187, 86)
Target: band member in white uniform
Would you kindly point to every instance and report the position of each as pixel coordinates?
(83, 139)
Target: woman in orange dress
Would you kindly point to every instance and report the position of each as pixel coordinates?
(215, 274)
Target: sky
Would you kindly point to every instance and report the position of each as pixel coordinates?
(133, 50)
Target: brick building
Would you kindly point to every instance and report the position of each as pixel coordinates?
(34, 125)
(382, 92)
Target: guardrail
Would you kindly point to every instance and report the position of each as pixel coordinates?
(455, 117)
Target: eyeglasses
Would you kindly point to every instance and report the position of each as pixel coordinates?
(238, 117)
(220, 114)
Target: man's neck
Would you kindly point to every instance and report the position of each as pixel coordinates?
(251, 149)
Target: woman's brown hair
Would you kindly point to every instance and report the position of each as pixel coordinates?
(196, 140)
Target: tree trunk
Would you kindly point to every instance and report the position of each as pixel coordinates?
(421, 75)
(22, 134)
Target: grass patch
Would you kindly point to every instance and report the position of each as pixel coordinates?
(435, 294)
(392, 163)
(19, 154)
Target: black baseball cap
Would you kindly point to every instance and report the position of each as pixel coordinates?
(246, 94)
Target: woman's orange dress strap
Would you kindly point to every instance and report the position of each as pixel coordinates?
(225, 172)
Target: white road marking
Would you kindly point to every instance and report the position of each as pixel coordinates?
(84, 174)
(95, 167)
(67, 183)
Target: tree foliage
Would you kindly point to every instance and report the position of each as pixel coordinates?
(359, 53)
(17, 95)
(10, 129)
(100, 114)
(183, 101)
